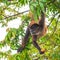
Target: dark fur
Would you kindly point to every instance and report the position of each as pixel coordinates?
(33, 30)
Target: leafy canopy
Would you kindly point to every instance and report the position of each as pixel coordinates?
(51, 42)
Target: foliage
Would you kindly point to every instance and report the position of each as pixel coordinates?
(51, 42)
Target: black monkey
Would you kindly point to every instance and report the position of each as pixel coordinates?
(36, 30)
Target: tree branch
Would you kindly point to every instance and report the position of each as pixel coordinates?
(51, 2)
(17, 14)
(52, 19)
(55, 27)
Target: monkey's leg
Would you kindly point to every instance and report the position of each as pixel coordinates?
(36, 45)
(24, 41)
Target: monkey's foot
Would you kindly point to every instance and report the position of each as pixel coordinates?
(20, 49)
(42, 51)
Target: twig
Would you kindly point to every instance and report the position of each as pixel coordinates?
(17, 14)
(52, 19)
(55, 27)
(51, 2)
(54, 32)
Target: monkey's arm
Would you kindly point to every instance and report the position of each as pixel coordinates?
(24, 41)
(42, 20)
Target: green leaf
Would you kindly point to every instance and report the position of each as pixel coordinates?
(42, 6)
(44, 0)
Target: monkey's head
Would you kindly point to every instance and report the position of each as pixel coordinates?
(35, 29)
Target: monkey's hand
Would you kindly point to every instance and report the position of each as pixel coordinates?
(42, 51)
(20, 49)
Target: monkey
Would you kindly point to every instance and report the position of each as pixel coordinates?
(36, 30)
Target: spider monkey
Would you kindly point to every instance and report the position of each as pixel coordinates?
(36, 30)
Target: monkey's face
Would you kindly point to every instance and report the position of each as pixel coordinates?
(34, 29)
